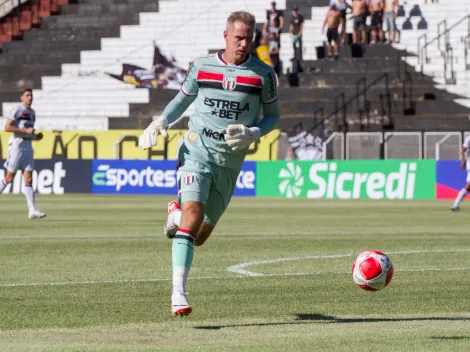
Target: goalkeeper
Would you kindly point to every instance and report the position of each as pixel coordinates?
(229, 88)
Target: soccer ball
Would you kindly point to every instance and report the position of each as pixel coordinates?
(372, 270)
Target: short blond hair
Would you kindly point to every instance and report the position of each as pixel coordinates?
(243, 17)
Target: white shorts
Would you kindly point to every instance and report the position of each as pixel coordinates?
(468, 175)
(19, 159)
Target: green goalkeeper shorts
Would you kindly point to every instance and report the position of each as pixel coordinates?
(206, 183)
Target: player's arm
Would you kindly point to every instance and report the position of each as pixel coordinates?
(10, 127)
(172, 111)
(324, 22)
(239, 137)
(270, 101)
(463, 163)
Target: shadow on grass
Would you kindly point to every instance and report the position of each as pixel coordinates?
(321, 318)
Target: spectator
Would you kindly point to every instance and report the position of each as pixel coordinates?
(341, 6)
(390, 13)
(376, 8)
(332, 20)
(256, 42)
(359, 17)
(295, 28)
(274, 50)
(274, 42)
(262, 51)
(276, 30)
(273, 14)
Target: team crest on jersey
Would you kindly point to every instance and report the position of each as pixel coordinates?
(192, 136)
(229, 83)
(188, 178)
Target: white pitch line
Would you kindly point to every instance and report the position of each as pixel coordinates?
(316, 273)
(244, 274)
(98, 282)
(240, 268)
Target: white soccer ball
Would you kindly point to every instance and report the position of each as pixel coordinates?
(372, 270)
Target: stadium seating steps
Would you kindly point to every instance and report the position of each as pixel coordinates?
(64, 58)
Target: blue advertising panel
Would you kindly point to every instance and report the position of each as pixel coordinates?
(153, 177)
(450, 179)
(54, 176)
(134, 177)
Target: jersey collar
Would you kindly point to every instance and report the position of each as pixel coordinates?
(221, 59)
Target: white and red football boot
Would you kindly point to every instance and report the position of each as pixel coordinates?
(173, 220)
(179, 304)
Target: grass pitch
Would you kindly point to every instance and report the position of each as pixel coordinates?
(275, 276)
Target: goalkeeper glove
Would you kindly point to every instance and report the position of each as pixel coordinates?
(239, 137)
(149, 138)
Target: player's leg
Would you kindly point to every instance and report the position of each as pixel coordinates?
(12, 165)
(194, 186)
(9, 176)
(33, 213)
(11, 168)
(463, 192)
(217, 202)
(27, 165)
(204, 232)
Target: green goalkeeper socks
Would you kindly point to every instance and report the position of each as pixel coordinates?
(182, 255)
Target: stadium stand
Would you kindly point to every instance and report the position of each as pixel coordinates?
(93, 38)
(442, 49)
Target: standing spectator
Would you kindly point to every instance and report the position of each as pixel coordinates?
(390, 13)
(274, 50)
(376, 8)
(276, 30)
(332, 20)
(275, 44)
(271, 15)
(359, 17)
(256, 41)
(295, 28)
(341, 6)
(262, 51)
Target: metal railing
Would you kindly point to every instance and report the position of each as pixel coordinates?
(443, 32)
(339, 114)
(466, 41)
(449, 73)
(395, 145)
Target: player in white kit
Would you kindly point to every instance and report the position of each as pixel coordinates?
(20, 150)
(465, 157)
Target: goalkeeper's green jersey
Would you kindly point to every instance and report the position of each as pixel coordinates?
(225, 94)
